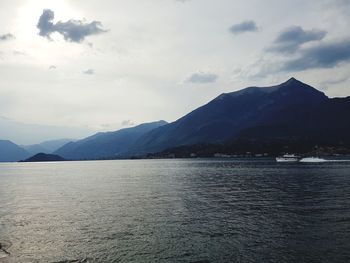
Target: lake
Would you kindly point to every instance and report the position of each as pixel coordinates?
(194, 210)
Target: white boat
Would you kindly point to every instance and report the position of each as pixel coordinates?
(288, 158)
(312, 160)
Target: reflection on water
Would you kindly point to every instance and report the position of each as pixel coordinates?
(175, 211)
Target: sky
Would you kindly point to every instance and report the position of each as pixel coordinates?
(71, 68)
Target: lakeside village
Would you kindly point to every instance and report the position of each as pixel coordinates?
(214, 152)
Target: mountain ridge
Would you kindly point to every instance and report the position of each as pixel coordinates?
(286, 112)
(292, 82)
(228, 114)
(105, 144)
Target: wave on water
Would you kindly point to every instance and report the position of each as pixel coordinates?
(3, 250)
(83, 260)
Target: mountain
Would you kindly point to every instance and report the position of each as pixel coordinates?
(228, 115)
(43, 157)
(325, 122)
(10, 152)
(321, 128)
(54, 145)
(291, 114)
(106, 144)
(25, 134)
(46, 146)
(35, 148)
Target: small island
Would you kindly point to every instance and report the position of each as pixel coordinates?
(43, 157)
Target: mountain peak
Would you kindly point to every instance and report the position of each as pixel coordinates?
(295, 82)
(296, 85)
(291, 85)
(292, 79)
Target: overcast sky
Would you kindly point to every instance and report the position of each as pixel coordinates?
(103, 65)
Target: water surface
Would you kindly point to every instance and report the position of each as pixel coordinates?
(175, 211)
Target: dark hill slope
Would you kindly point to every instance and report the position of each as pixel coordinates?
(328, 122)
(43, 157)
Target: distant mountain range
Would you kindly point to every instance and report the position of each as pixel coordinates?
(292, 113)
(106, 144)
(10, 152)
(46, 146)
(231, 115)
(24, 134)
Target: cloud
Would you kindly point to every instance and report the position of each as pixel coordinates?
(52, 67)
(19, 53)
(290, 39)
(89, 71)
(245, 26)
(324, 55)
(72, 30)
(128, 123)
(202, 77)
(335, 81)
(293, 56)
(5, 118)
(342, 6)
(7, 36)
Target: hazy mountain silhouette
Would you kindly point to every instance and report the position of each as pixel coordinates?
(46, 146)
(10, 152)
(25, 134)
(228, 115)
(106, 144)
(35, 148)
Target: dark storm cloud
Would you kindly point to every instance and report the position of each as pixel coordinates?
(321, 55)
(5, 37)
(89, 72)
(202, 77)
(72, 30)
(325, 55)
(245, 26)
(290, 39)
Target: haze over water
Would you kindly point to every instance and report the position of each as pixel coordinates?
(175, 211)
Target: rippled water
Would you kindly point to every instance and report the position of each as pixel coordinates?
(174, 211)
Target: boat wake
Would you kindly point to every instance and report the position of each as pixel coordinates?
(312, 160)
(338, 161)
(319, 160)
